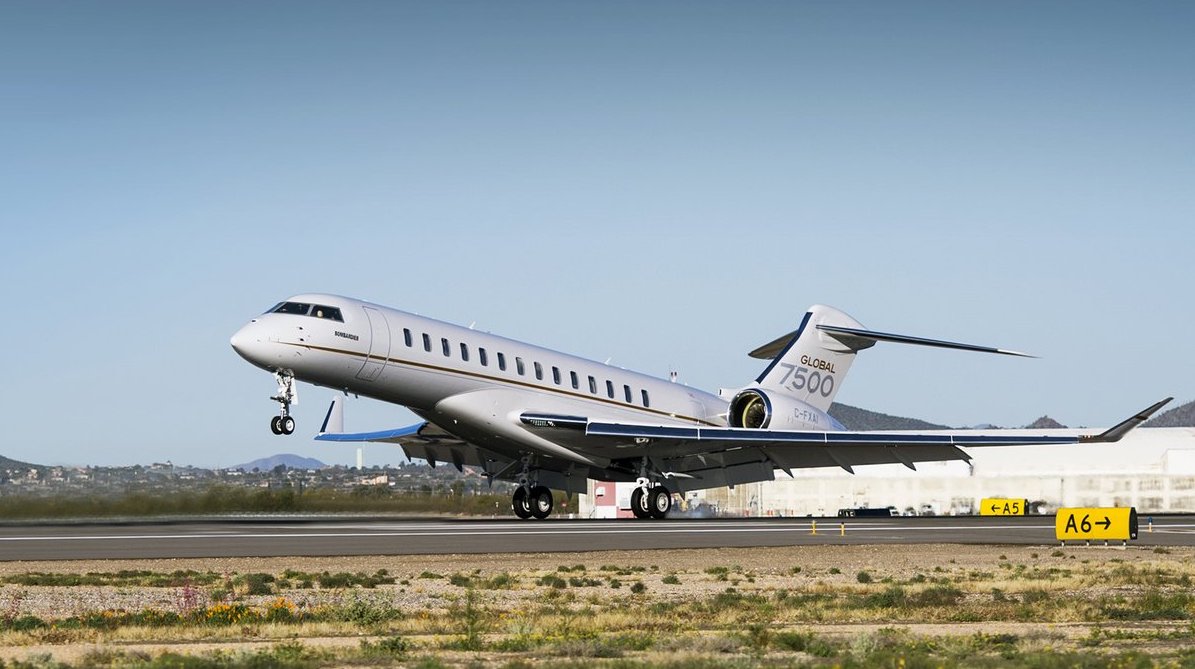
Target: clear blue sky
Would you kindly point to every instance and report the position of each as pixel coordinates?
(667, 184)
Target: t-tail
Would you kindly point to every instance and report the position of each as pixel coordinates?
(808, 367)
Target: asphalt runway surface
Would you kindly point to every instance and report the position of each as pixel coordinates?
(277, 537)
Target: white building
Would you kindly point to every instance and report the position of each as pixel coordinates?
(1152, 469)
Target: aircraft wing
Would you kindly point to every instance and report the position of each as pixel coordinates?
(727, 456)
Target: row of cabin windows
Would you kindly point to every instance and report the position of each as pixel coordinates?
(521, 369)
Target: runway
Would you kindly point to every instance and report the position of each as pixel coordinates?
(273, 537)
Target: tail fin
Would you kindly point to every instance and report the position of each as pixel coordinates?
(811, 363)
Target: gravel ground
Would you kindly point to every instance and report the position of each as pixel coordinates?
(770, 569)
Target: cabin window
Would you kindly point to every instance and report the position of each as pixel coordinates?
(427, 342)
(539, 372)
(626, 390)
(610, 388)
(481, 357)
(556, 375)
(464, 352)
(501, 361)
(519, 368)
(593, 385)
(646, 399)
(444, 345)
(406, 336)
(573, 377)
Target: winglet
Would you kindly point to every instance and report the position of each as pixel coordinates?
(1122, 428)
(334, 419)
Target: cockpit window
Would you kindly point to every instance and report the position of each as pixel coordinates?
(304, 309)
(331, 313)
(292, 308)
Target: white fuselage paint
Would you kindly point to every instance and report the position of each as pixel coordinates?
(368, 354)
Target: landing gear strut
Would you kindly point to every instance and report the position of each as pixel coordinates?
(287, 395)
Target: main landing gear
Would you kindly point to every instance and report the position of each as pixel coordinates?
(287, 395)
(650, 498)
(531, 499)
(651, 502)
(536, 501)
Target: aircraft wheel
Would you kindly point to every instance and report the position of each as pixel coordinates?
(520, 504)
(276, 425)
(639, 503)
(540, 502)
(659, 501)
(287, 424)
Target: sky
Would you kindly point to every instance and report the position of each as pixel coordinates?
(664, 184)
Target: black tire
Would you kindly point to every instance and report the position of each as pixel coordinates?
(639, 503)
(276, 425)
(520, 504)
(540, 502)
(288, 425)
(659, 502)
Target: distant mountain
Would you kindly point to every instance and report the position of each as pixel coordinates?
(290, 460)
(854, 418)
(1045, 423)
(8, 463)
(1180, 416)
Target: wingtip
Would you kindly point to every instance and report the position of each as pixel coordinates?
(1116, 432)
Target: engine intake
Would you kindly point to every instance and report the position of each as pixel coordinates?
(751, 409)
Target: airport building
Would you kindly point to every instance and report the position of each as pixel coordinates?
(1152, 469)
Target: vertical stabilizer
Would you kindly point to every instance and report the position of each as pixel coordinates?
(811, 364)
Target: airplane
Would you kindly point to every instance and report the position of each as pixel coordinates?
(549, 421)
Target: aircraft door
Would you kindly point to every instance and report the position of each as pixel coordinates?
(379, 345)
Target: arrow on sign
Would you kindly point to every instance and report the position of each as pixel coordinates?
(1107, 523)
(995, 507)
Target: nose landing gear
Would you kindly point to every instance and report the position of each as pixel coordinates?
(287, 395)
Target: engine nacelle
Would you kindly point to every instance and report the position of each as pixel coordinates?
(756, 409)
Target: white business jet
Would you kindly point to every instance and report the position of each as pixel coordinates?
(549, 420)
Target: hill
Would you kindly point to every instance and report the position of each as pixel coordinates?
(1180, 416)
(289, 460)
(854, 418)
(1045, 423)
(8, 463)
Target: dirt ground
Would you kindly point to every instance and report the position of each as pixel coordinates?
(772, 568)
(897, 561)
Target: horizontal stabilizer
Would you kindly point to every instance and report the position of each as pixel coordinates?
(858, 339)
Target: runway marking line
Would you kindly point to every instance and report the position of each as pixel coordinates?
(439, 533)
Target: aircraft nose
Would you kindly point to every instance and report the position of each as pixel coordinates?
(249, 342)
